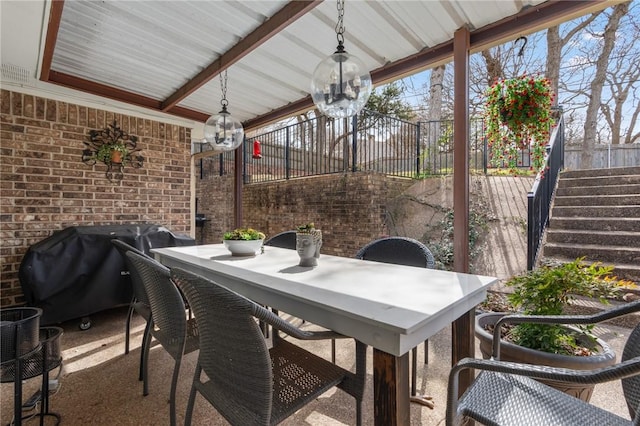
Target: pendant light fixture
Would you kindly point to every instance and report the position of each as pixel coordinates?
(222, 131)
(341, 85)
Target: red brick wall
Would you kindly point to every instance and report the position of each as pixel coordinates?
(349, 208)
(46, 187)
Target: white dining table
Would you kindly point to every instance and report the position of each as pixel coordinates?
(392, 308)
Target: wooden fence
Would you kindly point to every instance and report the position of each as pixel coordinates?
(603, 157)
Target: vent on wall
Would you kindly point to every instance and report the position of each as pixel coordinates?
(15, 73)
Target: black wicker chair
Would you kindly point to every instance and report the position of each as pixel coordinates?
(139, 302)
(248, 383)
(286, 239)
(169, 324)
(409, 252)
(505, 393)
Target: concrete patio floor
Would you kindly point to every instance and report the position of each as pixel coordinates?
(99, 383)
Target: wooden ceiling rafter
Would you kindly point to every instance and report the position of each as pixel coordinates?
(276, 23)
(55, 16)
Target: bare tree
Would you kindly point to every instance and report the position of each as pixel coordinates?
(555, 44)
(595, 96)
(435, 93)
(623, 82)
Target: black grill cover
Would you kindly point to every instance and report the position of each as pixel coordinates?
(77, 271)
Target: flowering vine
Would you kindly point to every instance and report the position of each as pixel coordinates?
(518, 117)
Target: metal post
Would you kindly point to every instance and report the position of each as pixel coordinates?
(354, 142)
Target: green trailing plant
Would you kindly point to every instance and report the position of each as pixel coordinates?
(247, 234)
(546, 291)
(104, 154)
(443, 249)
(518, 117)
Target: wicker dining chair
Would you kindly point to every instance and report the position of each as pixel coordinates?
(505, 393)
(169, 324)
(401, 251)
(247, 382)
(139, 301)
(286, 239)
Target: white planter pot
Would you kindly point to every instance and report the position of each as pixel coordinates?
(243, 247)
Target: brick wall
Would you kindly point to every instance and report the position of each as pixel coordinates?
(350, 208)
(45, 186)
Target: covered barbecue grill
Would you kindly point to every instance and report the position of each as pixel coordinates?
(77, 272)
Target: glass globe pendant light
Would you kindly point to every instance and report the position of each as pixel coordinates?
(341, 85)
(222, 131)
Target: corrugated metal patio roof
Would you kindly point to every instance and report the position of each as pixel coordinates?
(167, 55)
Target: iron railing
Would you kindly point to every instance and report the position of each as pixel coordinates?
(369, 141)
(541, 195)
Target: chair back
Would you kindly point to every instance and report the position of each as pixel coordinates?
(631, 385)
(165, 301)
(398, 250)
(286, 239)
(136, 281)
(233, 352)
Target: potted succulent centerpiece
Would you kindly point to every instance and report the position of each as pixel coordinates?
(546, 291)
(243, 241)
(518, 117)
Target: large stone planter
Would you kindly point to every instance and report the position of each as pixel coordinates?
(511, 352)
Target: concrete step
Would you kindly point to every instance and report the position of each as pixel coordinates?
(607, 238)
(603, 190)
(594, 252)
(598, 181)
(597, 224)
(614, 171)
(598, 200)
(621, 271)
(595, 211)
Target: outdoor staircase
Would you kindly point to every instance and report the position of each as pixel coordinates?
(596, 214)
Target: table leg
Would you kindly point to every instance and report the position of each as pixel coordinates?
(463, 345)
(390, 389)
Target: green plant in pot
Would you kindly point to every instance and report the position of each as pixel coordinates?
(245, 234)
(112, 153)
(546, 291)
(518, 117)
(243, 241)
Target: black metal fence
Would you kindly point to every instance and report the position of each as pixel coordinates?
(369, 141)
(541, 194)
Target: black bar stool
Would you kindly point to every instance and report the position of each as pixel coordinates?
(28, 351)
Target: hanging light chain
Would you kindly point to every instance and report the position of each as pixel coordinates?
(223, 88)
(340, 24)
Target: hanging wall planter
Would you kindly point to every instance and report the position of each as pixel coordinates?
(518, 117)
(113, 147)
